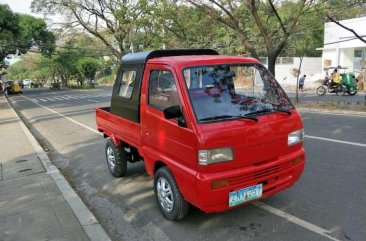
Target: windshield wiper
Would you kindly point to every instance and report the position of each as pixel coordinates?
(219, 117)
(272, 110)
(284, 111)
(259, 112)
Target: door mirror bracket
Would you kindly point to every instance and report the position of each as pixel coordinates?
(182, 122)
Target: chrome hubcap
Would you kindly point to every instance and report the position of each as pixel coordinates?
(111, 158)
(165, 194)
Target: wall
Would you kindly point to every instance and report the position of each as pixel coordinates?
(329, 55)
(346, 58)
(335, 33)
(311, 67)
(339, 40)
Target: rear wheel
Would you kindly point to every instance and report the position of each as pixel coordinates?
(321, 90)
(169, 199)
(116, 159)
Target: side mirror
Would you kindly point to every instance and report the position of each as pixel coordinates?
(173, 112)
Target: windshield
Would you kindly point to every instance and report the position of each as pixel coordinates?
(226, 91)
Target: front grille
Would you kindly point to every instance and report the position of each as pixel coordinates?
(260, 173)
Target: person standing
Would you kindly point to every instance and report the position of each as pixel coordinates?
(301, 83)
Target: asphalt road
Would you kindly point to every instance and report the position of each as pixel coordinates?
(331, 192)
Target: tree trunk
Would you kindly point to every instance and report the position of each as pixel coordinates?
(297, 80)
(272, 63)
(248, 46)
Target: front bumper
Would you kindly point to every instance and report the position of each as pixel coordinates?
(275, 176)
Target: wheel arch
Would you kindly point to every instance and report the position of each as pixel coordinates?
(117, 142)
(159, 164)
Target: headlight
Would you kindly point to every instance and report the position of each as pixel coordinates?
(295, 137)
(207, 157)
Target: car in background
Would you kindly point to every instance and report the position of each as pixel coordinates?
(13, 87)
(27, 82)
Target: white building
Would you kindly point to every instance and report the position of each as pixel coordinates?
(286, 70)
(341, 47)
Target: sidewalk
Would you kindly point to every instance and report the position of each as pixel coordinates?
(36, 202)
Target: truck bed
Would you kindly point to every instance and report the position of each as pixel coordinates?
(118, 127)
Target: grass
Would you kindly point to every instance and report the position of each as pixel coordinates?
(106, 80)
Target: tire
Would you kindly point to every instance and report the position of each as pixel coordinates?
(116, 159)
(170, 201)
(321, 90)
(352, 92)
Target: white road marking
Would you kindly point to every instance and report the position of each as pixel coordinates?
(64, 97)
(102, 95)
(72, 120)
(94, 101)
(309, 226)
(69, 97)
(335, 140)
(72, 97)
(58, 98)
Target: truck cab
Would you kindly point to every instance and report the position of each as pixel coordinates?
(214, 131)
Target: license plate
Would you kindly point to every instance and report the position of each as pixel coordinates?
(245, 194)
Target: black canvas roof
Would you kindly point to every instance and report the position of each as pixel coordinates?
(143, 57)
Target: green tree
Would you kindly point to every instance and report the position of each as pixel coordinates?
(25, 68)
(18, 71)
(19, 32)
(9, 32)
(33, 32)
(64, 65)
(178, 25)
(114, 23)
(259, 23)
(87, 68)
(45, 69)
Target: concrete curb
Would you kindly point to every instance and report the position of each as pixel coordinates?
(90, 224)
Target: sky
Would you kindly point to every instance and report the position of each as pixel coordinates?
(24, 6)
(20, 6)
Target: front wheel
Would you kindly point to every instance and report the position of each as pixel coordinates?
(321, 90)
(116, 159)
(351, 91)
(168, 197)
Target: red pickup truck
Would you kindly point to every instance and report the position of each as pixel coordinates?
(215, 131)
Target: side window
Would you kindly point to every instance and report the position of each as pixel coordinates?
(127, 82)
(162, 90)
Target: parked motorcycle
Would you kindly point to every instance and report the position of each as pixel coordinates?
(337, 89)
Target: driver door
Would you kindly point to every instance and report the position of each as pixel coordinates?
(164, 139)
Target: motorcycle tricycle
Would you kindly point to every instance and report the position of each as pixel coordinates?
(347, 84)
